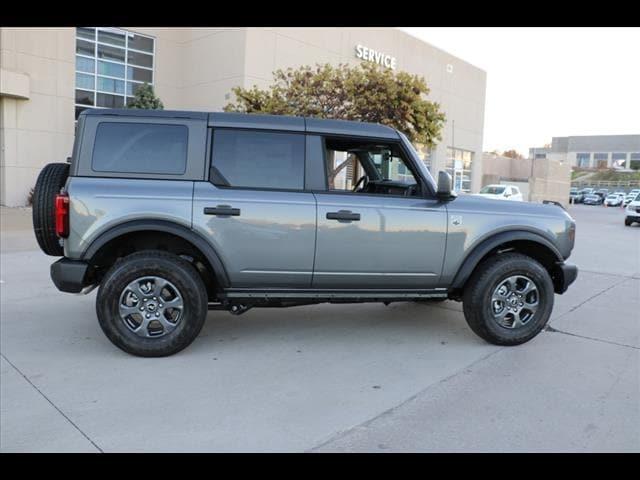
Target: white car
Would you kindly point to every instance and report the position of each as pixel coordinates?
(614, 200)
(632, 212)
(501, 192)
(630, 197)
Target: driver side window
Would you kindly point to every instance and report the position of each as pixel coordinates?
(367, 166)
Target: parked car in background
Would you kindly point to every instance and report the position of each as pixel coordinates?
(614, 200)
(574, 194)
(593, 199)
(583, 193)
(501, 192)
(632, 212)
(630, 197)
(603, 192)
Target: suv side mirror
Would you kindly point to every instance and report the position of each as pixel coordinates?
(444, 186)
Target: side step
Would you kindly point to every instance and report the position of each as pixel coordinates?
(348, 295)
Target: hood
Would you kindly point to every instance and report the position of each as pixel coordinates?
(486, 204)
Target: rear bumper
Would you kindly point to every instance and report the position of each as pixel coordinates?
(70, 276)
(564, 275)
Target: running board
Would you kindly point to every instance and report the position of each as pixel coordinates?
(341, 294)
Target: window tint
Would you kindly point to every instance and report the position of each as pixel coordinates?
(140, 148)
(258, 159)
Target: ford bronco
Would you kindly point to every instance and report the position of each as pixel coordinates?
(172, 214)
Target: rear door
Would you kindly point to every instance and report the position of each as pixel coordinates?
(254, 209)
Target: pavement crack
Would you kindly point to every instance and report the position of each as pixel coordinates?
(549, 328)
(52, 404)
(574, 308)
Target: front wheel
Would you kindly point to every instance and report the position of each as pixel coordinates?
(152, 304)
(508, 300)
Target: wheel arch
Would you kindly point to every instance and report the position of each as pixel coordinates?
(117, 234)
(532, 244)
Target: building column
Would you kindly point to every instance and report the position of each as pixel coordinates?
(476, 172)
(627, 162)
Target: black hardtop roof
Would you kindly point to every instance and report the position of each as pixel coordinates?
(260, 121)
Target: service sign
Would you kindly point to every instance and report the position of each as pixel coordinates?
(371, 55)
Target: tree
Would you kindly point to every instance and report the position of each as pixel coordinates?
(512, 154)
(366, 92)
(146, 98)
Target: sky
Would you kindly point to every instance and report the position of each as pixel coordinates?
(549, 82)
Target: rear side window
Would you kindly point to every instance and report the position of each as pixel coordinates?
(243, 158)
(140, 148)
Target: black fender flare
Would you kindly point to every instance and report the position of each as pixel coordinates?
(485, 246)
(162, 226)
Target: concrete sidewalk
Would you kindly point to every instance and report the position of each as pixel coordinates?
(408, 377)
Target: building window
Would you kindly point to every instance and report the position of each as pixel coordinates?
(601, 160)
(459, 167)
(634, 163)
(619, 160)
(111, 64)
(583, 160)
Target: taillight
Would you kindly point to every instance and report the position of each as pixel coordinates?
(62, 215)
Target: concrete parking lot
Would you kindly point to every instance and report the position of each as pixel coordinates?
(407, 377)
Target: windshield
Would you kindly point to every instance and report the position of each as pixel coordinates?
(612, 197)
(492, 190)
(418, 161)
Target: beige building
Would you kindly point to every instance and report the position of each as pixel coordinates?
(49, 75)
(593, 151)
(539, 178)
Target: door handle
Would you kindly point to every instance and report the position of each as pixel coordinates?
(222, 210)
(343, 215)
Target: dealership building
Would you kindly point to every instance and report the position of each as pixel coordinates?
(49, 75)
(593, 151)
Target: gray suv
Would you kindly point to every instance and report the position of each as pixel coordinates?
(172, 214)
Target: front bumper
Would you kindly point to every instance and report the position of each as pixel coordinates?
(70, 276)
(564, 274)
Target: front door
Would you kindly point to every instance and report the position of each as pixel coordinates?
(374, 229)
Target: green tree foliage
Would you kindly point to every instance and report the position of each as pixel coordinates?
(366, 92)
(146, 98)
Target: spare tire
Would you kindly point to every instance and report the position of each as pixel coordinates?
(51, 179)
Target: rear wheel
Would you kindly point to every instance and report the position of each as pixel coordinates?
(627, 222)
(508, 300)
(51, 179)
(152, 304)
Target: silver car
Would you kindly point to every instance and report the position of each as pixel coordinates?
(172, 214)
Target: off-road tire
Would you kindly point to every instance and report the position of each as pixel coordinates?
(483, 281)
(152, 263)
(51, 179)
